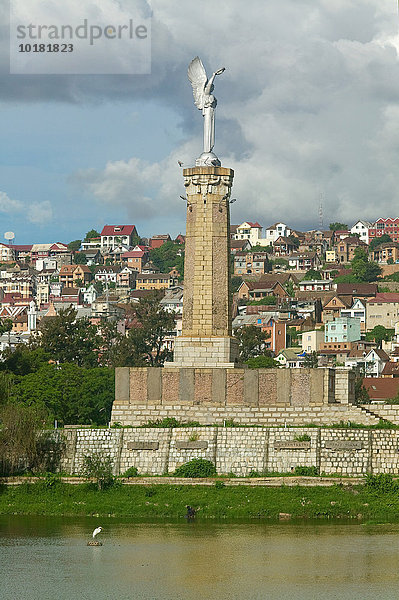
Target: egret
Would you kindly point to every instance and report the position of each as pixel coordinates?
(97, 531)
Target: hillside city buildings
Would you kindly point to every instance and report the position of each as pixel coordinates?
(297, 287)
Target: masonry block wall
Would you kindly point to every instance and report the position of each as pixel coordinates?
(213, 395)
(238, 450)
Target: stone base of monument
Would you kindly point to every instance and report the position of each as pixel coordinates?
(205, 353)
(94, 543)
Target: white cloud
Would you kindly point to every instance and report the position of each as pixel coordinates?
(38, 213)
(8, 205)
(308, 104)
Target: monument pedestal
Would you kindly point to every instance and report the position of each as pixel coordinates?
(205, 352)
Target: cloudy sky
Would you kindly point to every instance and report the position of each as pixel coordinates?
(308, 106)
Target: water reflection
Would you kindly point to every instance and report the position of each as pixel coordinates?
(48, 558)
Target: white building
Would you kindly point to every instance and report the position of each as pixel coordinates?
(375, 361)
(249, 231)
(357, 310)
(361, 228)
(308, 285)
(312, 340)
(273, 232)
(115, 235)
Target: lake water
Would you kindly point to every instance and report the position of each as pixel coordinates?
(47, 558)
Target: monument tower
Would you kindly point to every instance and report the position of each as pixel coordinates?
(206, 339)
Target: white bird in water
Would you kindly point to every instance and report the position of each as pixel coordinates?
(97, 531)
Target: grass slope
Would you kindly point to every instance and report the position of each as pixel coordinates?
(169, 501)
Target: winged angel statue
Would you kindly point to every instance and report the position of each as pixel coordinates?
(205, 101)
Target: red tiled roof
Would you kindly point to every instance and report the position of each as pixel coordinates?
(381, 388)
(133, 254)
(391, 369)
(70, 291)
(254, 224)
(121, 230)
(384, 297)
(357, 289)
(21, 248)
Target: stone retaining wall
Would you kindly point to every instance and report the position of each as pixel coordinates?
(210, 414)
(238, 450)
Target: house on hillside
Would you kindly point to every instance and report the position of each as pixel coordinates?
(361, 228)
(255, 290)
(290, 358)
(159, 240)
(240, 246)
(275, 231)
(248, 231)
(382, 310)
(247, 263)
(357, 310)
(304, 261)
(387, 225)
(342, 329)
(116, 235)
(333, 307)
(375, 362)
(347, 247)
(283, 246)
(388, 251)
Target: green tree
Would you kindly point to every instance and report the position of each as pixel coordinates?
(313, 275)
(380, 334)
(262, 362)
(251, 341)
(311, 361)
(5, 325)
(99, 467)
(294, 240)
(292, 336)
(338, 226)
(70, 394)
(145, 343)
(75, 245)
(91, 234)
(69, 339)
(289, 288)
(168, 256)
(236, 281)
(23, 360)
(80, 258)
(383, 239)
(362, 268)
(19, 437)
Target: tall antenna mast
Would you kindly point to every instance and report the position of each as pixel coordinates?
(321, 212)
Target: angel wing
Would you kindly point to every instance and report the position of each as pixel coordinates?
(197, 76)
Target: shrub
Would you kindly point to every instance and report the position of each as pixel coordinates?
(99, 466)
(131, 472)
(253, 473)
(305, 437)
(382, 483)
(197, 467)
(219, 485)
(306, 471)
(23, 446)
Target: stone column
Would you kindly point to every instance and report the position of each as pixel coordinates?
(206, 339)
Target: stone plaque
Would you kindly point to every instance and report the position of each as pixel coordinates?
(344, 445)
(191, 445)
(142, 445)
(291, 445)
